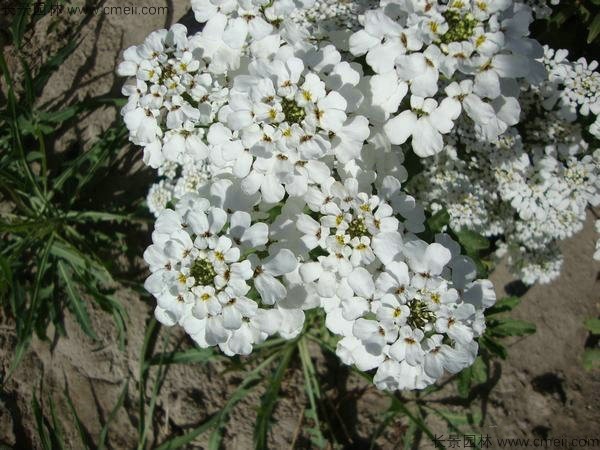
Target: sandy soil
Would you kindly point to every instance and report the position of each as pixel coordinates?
(541, 390)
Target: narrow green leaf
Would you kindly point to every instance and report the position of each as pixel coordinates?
(19, 22)
(80, 262)
(57, 117)
(463, 384)
(26, 328)
(53, 63)
(40, 425)
(313, 391)
(409, 436)
(184, 439)
(56, 433)
(191, 356)
(112, 415)
(503, 305)
(594, 29)
(456, 422)
(480, 373)
(511, 327)
(79, 307)
(418, 421)
(83, 434)
(269, 399)
(253, 378)
(494, 347)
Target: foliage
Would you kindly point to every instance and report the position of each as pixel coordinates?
(49, 259)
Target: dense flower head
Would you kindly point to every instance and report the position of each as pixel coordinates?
(300, 146)
(451, 57)
(212, 273)
(530, 188)
(413, 316)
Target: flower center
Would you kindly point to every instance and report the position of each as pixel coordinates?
(167, 73)
(357, 228)
(460, 27)
(292, 111)
(203, 272)
(420, 315)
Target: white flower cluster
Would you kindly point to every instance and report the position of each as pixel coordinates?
(212, 274)
(530, 188)
(332, 20)
(451, 57)
(276, 135)
(408, 309)
(572, 88)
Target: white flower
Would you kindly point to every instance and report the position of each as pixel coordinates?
(265, 281)
(202, 281)
(425, 122)
(420, 71)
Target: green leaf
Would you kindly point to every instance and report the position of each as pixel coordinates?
(458, 419)
(511, 327)
(112, 415)
(184, 439)
(475, 374)
(19, 22)
(593, 325)
(471, 241)
(503, 305)
(83, 434)
(274, 212)
(80, 262)
(253, 378)
(56, 433)
(313, 391)
(56, 117)
(269, 399)
(490, 344)
(594, 29)
(439, 220)
(53, 63)
(417, 419)
(591, 358)
(79, 307)
(463, 384)
(40, 425)
(409, 437)
(479, 371)
(191, 356)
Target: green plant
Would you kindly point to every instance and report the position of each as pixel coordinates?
(49, 231)
(320, 423)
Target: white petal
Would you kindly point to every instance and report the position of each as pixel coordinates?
(283, 262)
(310, 271)
(387, 246)
(256, 235)
(400, 128)
(361, 282)
(271, 290)
(426, 141)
